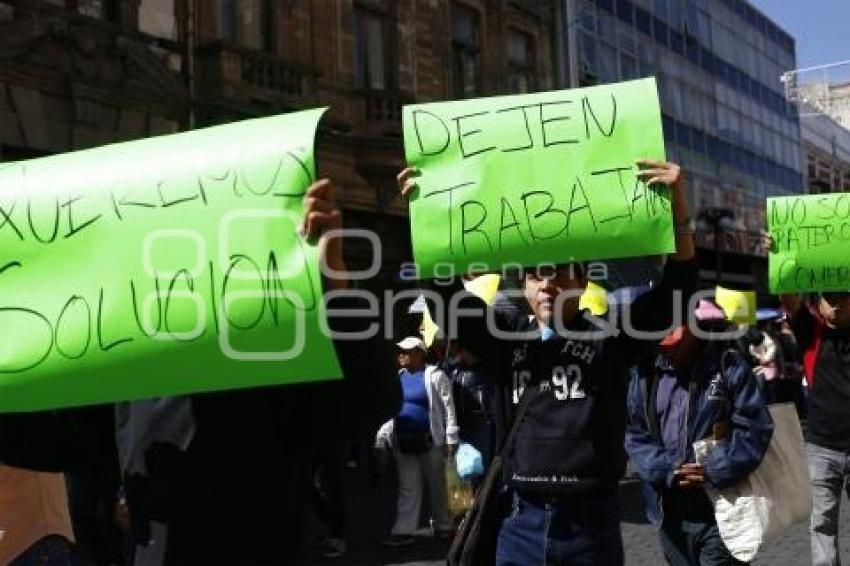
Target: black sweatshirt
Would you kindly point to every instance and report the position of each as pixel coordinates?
(829, 389)
(228, 472)
(571, 440)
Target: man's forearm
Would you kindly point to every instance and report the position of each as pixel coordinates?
(685, 248)
(336, 278)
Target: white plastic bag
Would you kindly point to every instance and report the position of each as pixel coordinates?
(773, 497)
(469, 462)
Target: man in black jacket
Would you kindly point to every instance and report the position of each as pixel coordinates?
(223, 478)
(568, 455)
(823, 334)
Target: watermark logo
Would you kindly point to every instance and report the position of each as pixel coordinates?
(278, 293)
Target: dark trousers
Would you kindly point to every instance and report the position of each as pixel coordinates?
(576, 530)
(52, 550)
(689, 533)
(328, 492)
(92, 494)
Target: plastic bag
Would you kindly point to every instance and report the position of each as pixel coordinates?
(458, 491)
(773, 497)
(470, 463)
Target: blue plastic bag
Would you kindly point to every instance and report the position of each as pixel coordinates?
(469, 461)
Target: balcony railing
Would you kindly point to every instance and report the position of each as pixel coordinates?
(383, 109)
(253, 73)
(264, 71)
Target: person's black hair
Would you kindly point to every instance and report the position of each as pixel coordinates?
(579, 267)
(754, 336)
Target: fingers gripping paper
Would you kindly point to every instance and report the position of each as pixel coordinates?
(536, 178)
(158, 267)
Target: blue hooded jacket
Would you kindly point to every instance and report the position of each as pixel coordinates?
(732, 395)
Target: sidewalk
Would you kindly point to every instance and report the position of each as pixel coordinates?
(643, 549)
(371, 511)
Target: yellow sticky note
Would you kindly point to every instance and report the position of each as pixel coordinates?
(739, 306)
(484, 287)
(428, 328)
(594, 299)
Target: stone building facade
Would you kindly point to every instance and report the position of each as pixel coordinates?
(81, 73)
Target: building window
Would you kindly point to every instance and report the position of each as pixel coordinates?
(226, 20)
(157, 18)
(659, 31)
(242, 22)
(108, 10)
(466, 52)
(607, 63)
(628, 66)
(100, 9)
(643, 21)
(588, 74)
(91, 8)
(371, 57)
(624, 11)
(521, 76)
(659, 8)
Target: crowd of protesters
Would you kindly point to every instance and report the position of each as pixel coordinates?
(229, 477)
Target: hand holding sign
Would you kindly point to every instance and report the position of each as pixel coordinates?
(652, 172)
(661, 172)
(322, 216)
(544, 177)
(406, 184)
(321, 212)
(183, 249)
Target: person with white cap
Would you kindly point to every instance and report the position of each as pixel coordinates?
(421, 435)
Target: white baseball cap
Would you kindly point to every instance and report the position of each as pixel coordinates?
(411, 343)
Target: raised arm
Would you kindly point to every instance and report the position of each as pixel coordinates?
(801, 320)
(321, 215)
(470, 331)
(670, 174)
(653, 311)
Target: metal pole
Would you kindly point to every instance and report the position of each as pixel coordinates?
(190, 59)
(569, 29)
(559, 44)
(718, 251)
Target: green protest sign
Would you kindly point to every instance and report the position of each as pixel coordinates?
(162, 266)
(536, 178)
(811, 237)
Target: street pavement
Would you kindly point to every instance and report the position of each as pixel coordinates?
(791, 549)
(371, 510)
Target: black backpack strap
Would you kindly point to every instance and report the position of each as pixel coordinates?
(649, 382)
(519, 415)
(651, 409)
(729, 358)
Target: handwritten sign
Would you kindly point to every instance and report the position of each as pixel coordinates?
(163, 266)
(530, 179)
(811, 243)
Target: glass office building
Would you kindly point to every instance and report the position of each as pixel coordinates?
(718, 65)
